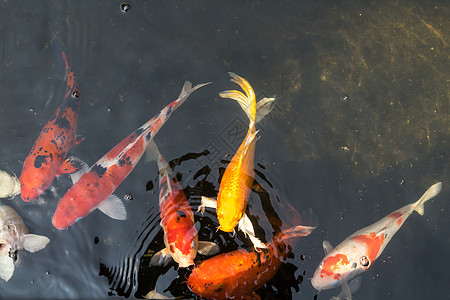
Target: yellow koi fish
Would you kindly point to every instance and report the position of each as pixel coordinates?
(238, 178)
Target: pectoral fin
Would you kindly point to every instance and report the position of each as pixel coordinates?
(246, 226)
(207, 248)
(161, 258)
(327, 248)
(70, 165)
(6, 267)
(113, 207)
(34, 242)
(207, 202)
(82, 168)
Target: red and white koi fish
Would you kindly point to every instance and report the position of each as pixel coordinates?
(93, 188)
(47, 158)
(358, 252)
(14, 236)
(237, 181)
(177, 219)
(239, 273)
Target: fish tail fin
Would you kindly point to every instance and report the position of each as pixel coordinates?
(154, 124)
(152, 154)
(247, 101)
(185, 92)
(263, 108)
(60, 60)
(433, 191)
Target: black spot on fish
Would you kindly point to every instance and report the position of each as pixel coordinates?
(40, 159)
(99, 170)
(121, 162)
(54, 142)
(62, 123)
(139, 131)
(169, 111)
(148, 136)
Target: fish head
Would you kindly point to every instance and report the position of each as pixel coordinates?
(339, 266)
(67, 212)
(227, 219)
(183, 249)
(33, 182)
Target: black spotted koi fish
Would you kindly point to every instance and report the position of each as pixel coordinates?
(47, 158)
(94, 188)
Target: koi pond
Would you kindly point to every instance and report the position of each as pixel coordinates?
(359, 128)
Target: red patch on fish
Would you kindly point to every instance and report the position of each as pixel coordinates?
(373, 243)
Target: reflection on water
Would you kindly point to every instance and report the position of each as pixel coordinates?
(360, 128)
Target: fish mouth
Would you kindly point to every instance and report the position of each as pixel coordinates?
(5, 247)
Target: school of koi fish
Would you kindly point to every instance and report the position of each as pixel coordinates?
(233, 275)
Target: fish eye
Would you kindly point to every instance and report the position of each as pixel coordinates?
(364, 262)
(75, 94)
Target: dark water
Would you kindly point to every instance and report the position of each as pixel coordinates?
(360, 128)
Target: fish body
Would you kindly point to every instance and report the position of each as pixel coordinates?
(47, 158)
(177, 218)
(358, 252)
(238, 273)
(238, 177)
(101, 179)
(14, 236)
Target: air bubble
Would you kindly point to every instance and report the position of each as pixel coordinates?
(125, 7)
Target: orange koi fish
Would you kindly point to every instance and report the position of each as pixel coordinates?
(177, 219)
(238, 273)
(94, 188)
(359, 251)
(238, 178)
(47, 158)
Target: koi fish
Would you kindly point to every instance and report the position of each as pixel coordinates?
(238, 178)
(47, 158)
(94, 188)
(359, 251)
(14, 236)
(241, 272)
(177, 218)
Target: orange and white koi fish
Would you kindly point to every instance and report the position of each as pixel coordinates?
(358, 252)
(239, 273)
(94, 188)
(177, 219)
(14, 236)
(47, 158)
(238, 178)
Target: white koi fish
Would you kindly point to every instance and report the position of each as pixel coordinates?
(13, 237)
(359, 251)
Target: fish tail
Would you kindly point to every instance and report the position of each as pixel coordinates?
(185, 92)
(154, 124)
(247, 101)
(296, 231)
(152, 154)
(60, 59)
(433, 191)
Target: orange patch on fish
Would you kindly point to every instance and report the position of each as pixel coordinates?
(373, 243)
(332, 263)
